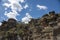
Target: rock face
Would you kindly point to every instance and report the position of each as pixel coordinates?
(45, 28)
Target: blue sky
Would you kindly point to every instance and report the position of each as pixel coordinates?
(44, 6)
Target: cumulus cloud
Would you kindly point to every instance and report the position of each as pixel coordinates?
(0, 23)
(22, 1)
(42, 7)
(27, 18)
(6, 5)
(15, 7)
(26, 6)
(11, 14)
(2, 17)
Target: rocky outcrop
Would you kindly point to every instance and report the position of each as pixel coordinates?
(46, 27)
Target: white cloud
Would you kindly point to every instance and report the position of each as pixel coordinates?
(15, 7)
(11, 14)
(2, 18)
(27, 18)
(26, 6)
(22, 1)
(6, 5)
(0, 23)
(42, 7)
(16, 1)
